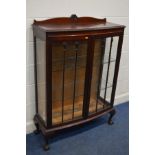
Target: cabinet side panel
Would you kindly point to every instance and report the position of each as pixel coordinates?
(108, 68)
(41, 76)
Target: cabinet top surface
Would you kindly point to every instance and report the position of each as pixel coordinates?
(74, 23)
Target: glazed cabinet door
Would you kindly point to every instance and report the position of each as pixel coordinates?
(68, 80)
(104, 61)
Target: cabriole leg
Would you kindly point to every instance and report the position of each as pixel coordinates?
(37, 131)
(112, 113)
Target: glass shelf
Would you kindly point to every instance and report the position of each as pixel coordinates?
(57, 95)
(57, 65)
(106, 59)
(108, 85)
(70, 84)
(70, 58)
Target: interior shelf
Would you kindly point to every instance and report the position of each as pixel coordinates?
(81, 63)
(57, 95)
(78, 107)
(80, 82)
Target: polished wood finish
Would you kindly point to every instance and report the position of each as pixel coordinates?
(48, 84)
(74, 24)
(86, 25)
(74, 56)
(35, 74)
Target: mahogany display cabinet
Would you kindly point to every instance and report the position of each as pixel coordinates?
(76, 68)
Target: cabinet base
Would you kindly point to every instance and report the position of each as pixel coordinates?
(48, 132)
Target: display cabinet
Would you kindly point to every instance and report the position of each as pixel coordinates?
(76, 68)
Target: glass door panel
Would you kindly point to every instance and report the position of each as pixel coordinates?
(103, 72)
(68, 78)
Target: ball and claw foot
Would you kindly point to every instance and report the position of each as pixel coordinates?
(110, 122)
(46, 147)
(112, 113)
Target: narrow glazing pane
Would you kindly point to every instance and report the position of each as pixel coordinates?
(106, 94)
(80, 79)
